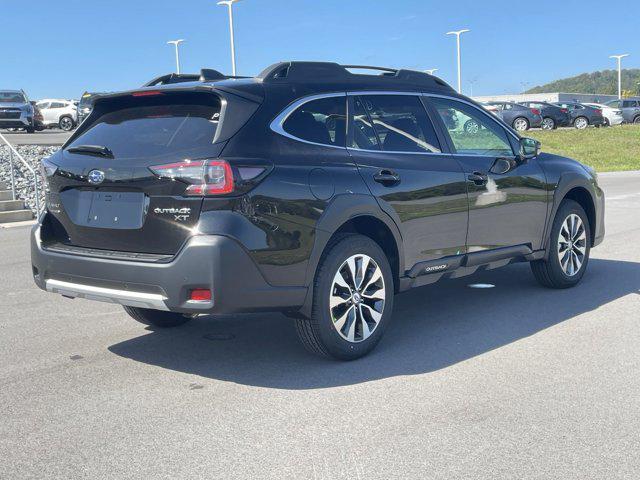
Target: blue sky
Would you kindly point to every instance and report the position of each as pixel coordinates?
(61, 48)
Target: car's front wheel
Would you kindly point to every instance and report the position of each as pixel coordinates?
(66, 124)
(569, 248)
(521, 124)
(352, 301)
(637, 120)
(157, 318)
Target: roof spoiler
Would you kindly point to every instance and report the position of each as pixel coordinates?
(328, 71)
(205, 75)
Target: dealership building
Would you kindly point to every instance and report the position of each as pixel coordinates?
(548, 97)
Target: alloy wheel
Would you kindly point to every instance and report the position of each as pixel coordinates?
(548, 124)
(572, 245)
(357, 298)
(66, 124)
(581, 123)
(520, 124)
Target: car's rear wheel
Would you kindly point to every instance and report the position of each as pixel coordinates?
(637, 120)
(607, 123)
(157, 318)
(548, 123)
(569, 248)
(521, 124)
(66, 124)
(352, 300)
(30, 129)
(581, 123)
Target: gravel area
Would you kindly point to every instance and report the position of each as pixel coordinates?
(23, 178)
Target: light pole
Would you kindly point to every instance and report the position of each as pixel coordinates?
(176, 43)
(457, 34)
(431, 71)
(229, 4)
(619, 58)
(472, 82)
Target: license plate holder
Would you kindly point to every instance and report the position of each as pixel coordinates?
(119, 210)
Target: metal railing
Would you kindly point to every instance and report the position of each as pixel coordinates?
(13, 152)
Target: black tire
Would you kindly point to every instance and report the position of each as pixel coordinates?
(606, 123)
(549, 272)
(30, 129)
(521, 124)
(157, 318)
(318, 334)
(636, 120)
(66, 123)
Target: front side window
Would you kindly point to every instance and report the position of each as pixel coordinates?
(399, 122)
(322, 121)
(473, 133)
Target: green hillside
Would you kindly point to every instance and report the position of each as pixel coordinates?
(604, 83)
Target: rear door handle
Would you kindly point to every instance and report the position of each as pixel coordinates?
(387, 177)
(478, 178)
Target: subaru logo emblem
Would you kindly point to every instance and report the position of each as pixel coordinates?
(95, 177)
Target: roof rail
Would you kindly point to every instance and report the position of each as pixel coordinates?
(333, 72)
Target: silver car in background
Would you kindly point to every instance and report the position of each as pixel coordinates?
(16, 111)
(612, 116)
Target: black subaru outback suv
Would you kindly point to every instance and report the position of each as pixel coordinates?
(312, 190)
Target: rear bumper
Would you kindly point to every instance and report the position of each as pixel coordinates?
(214, 262)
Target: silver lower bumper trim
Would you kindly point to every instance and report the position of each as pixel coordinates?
(109, 295)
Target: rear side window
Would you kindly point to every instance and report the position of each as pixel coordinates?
(322, 121)
(167, 129)
(400, 123)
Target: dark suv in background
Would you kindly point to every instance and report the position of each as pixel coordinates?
(310, 190)
(521, 118)
(553, 116)
(630, 109)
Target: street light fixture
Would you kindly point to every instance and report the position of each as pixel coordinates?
(457, 34)
(431, 71)
(229, 4)
(619, 58)
(176, 43)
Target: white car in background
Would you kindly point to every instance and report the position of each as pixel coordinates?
(612, 116)
(58, 113)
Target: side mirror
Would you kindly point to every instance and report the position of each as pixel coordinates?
(529, 148)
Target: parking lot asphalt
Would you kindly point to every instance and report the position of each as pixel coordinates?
(515, 381)
(45, 137)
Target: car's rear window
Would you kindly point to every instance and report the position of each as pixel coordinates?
(154, 130)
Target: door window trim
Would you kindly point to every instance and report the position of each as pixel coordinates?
(277, 123)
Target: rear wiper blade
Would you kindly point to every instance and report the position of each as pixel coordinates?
(98, 150)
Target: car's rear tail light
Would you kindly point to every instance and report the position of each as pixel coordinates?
(535, 111)
(204, 177)
(598, 112)
(200, 295)
(564, 110)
